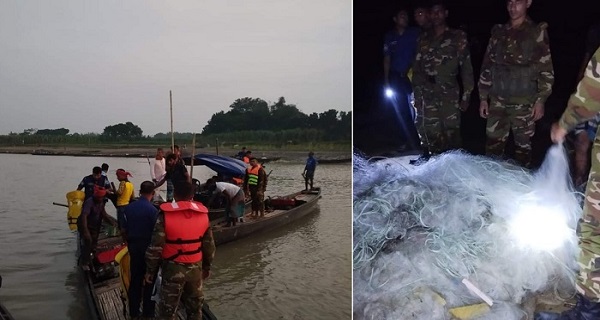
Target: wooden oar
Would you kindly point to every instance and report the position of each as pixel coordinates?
(60, 204)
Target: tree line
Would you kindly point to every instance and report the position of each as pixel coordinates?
(248, 121)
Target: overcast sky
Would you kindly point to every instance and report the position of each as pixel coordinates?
(84, 65)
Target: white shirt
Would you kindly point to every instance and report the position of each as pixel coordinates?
(159, 169)
(230, 189)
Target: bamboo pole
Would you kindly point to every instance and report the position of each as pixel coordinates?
(192, 157)
(172, 133)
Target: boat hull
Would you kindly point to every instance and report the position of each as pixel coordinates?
(272, 220)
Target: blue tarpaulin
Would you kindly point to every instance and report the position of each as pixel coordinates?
(224, 165)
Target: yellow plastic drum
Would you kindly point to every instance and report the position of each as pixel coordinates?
(122, 258)
(75, 202)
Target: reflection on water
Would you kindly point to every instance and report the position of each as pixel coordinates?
(300, 271)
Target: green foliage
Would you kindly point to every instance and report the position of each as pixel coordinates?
(252, 114)
(52, 132)
(249, 121)
(122, 132)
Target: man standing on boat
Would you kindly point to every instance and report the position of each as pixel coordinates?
(255, 184)
(309, 171)
(124, 194)
(160, 167)
(183, 241)
(176, 173)
(94, 179)
(234, 195)
(140, 218)
(89, 223)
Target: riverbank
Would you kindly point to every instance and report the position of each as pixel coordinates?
(145, 151)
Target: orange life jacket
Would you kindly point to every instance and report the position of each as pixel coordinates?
(185, 225)
(252, 174)
(238, 181)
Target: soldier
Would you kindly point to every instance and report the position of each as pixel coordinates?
(582, 106)
(183, 240)
(442, 52)
(585, 132)
(517, 77)
(255, 185)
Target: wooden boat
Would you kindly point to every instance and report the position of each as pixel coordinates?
(4, 314)
(283, 210)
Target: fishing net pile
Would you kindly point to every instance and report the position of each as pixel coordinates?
(419, 233)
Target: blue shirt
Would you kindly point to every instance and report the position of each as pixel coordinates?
(140, 218)
(401, 48)
(89, 182)
(311, 164)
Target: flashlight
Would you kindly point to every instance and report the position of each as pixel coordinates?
(389, 93)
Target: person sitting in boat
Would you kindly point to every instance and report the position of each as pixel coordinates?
(309, 171)
(234, 199)
(140, 218)
(255, 184)
(89, 224)
(94, 179)
(176, 173)
(125, 195)
(240, 155)
(183, 241)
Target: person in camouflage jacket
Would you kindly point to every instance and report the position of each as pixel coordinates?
(517, 77)
(442, 54)
(583, 105)
(182, 275)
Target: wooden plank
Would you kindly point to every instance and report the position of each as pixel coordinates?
(111, 305)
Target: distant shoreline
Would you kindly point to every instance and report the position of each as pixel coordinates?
(143, 152)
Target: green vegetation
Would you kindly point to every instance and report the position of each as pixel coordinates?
(249, 122)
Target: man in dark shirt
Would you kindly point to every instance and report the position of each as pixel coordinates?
(176, 172)
(399, 50)
(309, 171)
(140, 217)
(89, 224)
(95, 179)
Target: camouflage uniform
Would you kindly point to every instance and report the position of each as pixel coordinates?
(435, 71)
(582, 106)
(516, 73)
(257, 192)
(179, 280)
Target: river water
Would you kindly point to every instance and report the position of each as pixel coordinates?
(301, 271)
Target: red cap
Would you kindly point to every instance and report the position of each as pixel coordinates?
(99, 192)
(122, 174)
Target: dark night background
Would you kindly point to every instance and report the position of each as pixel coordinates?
(375, 124)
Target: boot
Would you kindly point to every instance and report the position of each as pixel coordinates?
(422, 159)
(585, 309)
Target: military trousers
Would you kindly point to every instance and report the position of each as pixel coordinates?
(588, 279)
(438, 121)
(505, 117)
(181, 282)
